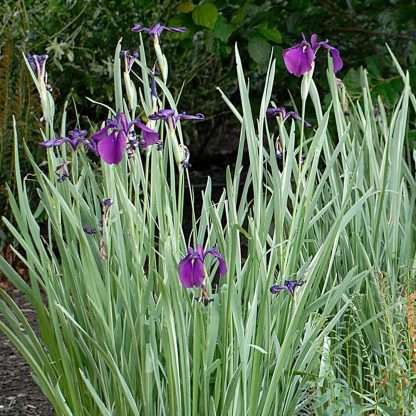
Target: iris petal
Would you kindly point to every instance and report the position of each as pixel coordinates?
(289, 285)
(335, 55)
(162, 115)
(277, 288)
(137, 27)
(299, 58)
(51, 143)
(191, 267)
(336, 59)
(197, 116)
(191, 272)
(112, 147)
(100, 135)
(175, 29)
(156, 29)
(122, 122)
(222, 266)
(314, 41)
(150, 136)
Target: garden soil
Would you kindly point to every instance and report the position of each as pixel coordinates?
(19, 394)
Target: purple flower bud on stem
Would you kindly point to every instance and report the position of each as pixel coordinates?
(37, 63)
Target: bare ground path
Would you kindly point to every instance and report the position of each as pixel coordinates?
(19, 395)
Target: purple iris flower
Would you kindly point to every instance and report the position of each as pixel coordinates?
(299, 58)
(192, 269)
(74, 139)
(129, 59)
(289, 285)
(174, 117)
(284, 115)
(156, 30)
(111, 140)
(37, 63)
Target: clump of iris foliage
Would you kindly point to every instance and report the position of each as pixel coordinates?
(289, 296)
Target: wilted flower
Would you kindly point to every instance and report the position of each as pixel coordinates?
(289, 285)
(111, 140)
(103, 252)
(284, 115)
(89, 230)
(153, 89)
(173, 116)
(129, 59)
(156, 30)
(62, 171)
(106, 202)
(299, 59)
(191, 267)
(279, 149)
(186, 156)
(204, 299)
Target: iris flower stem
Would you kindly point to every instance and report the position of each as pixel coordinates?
(170, 139)
(161, 59)
(288, 264)
(302, 133)
(191, 196)
(146, 204)
(179, 207)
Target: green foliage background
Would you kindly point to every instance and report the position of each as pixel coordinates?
(79, 38)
